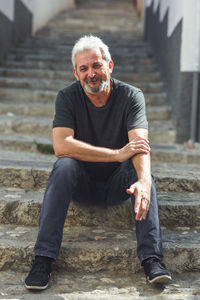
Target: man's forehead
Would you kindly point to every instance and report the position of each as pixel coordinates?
(88, 55)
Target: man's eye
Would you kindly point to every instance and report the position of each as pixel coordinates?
(97, 66)
(83, 69)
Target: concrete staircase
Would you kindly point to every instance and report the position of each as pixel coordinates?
(98, 256)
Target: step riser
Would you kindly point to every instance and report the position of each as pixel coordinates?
(56, 85)
(63, 67)
(167, 157)
(48, 111)
(27, 213)
(120, 52)
(95, 260)
(28, 110)
(27, 95)
(118, 58)
(50, 96)
(26, 128)
(37, 179)
(168, 137)
(70, 77)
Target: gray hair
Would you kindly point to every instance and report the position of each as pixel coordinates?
(90, 42)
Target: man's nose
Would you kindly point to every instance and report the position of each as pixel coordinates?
(91, 73)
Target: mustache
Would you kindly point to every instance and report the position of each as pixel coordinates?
(95, 78)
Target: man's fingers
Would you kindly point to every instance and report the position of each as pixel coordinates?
(130, 190)
(137, 203)
(143, 210)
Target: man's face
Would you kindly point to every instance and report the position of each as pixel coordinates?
(93, 71)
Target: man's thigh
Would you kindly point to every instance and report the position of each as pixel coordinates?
(119, 182)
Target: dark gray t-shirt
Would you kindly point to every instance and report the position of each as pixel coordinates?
(105, 126)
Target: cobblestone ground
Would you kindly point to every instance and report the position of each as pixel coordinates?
(98, 255)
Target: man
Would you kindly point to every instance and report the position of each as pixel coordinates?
(100, 136)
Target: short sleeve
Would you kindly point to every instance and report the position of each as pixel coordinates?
(136, 115)
(63, 111)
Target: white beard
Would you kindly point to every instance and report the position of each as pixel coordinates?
(96, 89)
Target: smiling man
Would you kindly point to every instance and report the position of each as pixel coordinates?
(100, 136)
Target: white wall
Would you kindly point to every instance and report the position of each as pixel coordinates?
(7, 8)
(43, 10)
(28, 4)
(175, 14)
(190, 50)
(189, 12)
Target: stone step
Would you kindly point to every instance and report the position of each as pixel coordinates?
(11, 108)
(25, 142)
(55, 85)
(31, 171)
(101, 286)
(26, 124)
(162, 132)
(47, 110)
(92, 250)
(22, 207)
(177, 153)
(42, 65)
(43, 127)
(113, 41)
(49, 96)
(63, 50)
(69, 76)
(57, 45)
(118, 58)
(28, 95)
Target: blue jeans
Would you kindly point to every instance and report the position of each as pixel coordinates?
(69, 180)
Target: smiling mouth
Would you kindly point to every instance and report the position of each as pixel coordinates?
(93, 80)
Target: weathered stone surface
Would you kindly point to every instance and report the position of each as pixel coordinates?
(43, 127)
(11, 108)
(28, 95)
(161, 132)
(101, 286)
(26, 124)
(144, 66)
(55, 85)
(93, 250)
(69, 76)
(23, 172)
(19, 142)
(22, 207)
(176, 153)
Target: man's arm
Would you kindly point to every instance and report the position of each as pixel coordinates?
(142, 188)
(65, 145)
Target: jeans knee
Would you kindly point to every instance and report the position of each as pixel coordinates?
(67, 165)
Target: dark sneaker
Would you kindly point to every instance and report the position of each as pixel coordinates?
(156, 271)
(39, 275)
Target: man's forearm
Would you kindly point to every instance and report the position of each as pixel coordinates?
(82, 151)
(142, 165)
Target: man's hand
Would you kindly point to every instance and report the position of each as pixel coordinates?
(135, 146)
(142, 191)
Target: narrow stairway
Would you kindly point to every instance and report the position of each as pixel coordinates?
(98, 256)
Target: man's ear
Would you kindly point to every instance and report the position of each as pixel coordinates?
(75, 74)
(111, 66)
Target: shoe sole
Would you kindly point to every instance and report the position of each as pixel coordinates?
(32, 287)
(160, 279)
